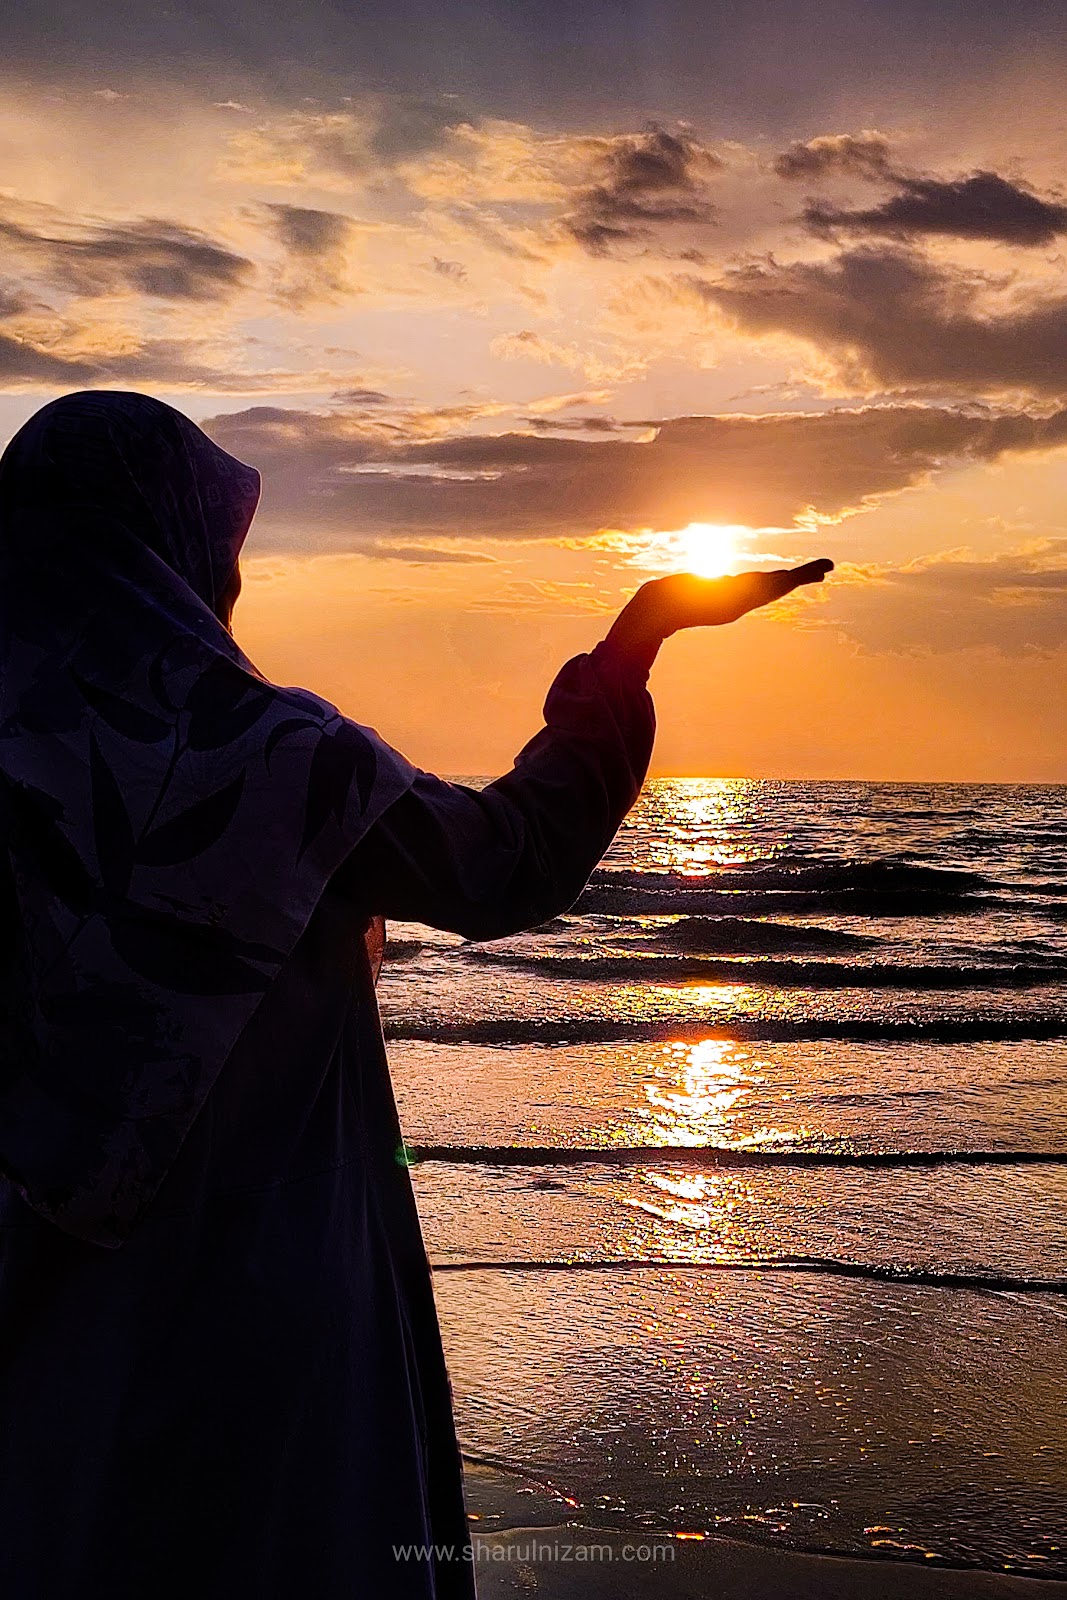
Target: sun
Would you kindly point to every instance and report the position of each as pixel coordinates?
(709, 549)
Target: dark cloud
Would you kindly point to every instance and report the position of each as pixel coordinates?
(22, 362)
(454, 270)
(14, 302)
(860, 155)
(1014, 603)
(647, 180)
(980, 205)
(890, 319)
(151, 256)
(316, 245)
(362, 398)
(560, 424)
(762, 68)
(333, 479)
(156, 363)
(983, 206)
(307, 233)
(408, 126)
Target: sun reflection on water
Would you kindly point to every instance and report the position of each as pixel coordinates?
(703, 1093)
(713, 1077)
(734, 996)
(719, 1206)
(708, 823)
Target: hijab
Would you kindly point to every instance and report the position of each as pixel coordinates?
(168, 817)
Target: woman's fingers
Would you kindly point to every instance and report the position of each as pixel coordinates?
(810, 571)
(773, 585)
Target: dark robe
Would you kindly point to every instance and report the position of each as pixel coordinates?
(248, 1397)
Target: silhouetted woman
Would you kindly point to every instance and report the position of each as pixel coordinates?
(220, 1368)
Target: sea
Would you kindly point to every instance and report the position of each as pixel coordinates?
(745, 1181)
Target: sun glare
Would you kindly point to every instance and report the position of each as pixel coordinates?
(710, 549)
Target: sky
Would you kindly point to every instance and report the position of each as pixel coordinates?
(516, 306)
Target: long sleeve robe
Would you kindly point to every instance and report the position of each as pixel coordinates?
(249, 1398)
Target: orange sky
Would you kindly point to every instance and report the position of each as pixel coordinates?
(495, 328)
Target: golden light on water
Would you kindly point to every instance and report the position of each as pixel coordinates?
(710, 824)
(696, 1202)
(709, 1080)
(705, 1092)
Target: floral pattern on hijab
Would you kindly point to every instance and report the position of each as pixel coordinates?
(170, 817)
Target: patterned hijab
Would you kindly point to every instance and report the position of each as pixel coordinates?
(168, 818)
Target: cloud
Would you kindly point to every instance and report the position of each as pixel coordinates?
(334, 479)
(646, 180)
(24, 363)
(13, 301)
(406, 126)
(1014, 602)
(756, 68)
(330, 149)
(39, 349)
(166, 363)
(308, 233)
(455, 271)
(316, 246)
(339, 148)
(151, 256)
(490, 161)
(528, 345)
(42, 349)
(886, 318)
(859, 155)
(360, 398)
(490, 231)
(426, 555)
(982, 206)
(551, 403)
(594, 424)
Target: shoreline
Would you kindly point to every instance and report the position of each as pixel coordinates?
(525, 1543)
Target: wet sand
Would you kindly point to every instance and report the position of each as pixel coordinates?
(525, 1545)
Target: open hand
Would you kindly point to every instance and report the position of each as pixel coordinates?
(665, 605)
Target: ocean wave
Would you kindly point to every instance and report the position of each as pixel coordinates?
(674, 899)
(780, 974)
(992, 1028)
(864, 888)
(886, 876)
(748, 936)
(926, 1277)
(702, 1156)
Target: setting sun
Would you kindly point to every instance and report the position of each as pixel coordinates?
(709, 549)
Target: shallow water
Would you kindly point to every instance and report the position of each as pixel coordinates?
(747, 1181)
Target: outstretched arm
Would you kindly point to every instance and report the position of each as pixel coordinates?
(490, 862)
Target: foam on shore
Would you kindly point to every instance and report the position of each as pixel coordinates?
(526, 1543)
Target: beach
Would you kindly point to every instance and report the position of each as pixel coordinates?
(744, 1185)
(517, 1553)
